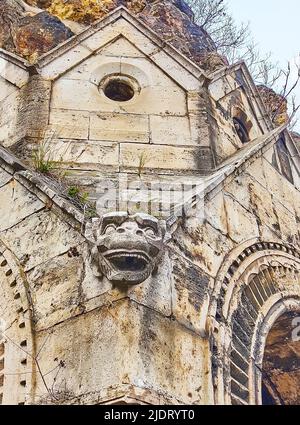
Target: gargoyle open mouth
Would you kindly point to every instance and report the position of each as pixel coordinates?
(128, 261)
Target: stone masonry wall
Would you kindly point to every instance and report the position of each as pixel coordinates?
(141, 341)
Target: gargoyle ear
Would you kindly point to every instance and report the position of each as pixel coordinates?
(94, 262)
(91, 229)
(166, 233)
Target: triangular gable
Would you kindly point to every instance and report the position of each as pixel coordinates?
(246, 81)
(121, 23)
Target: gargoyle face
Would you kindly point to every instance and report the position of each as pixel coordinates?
(127, 248)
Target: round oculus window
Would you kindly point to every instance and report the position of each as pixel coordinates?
(119, 88)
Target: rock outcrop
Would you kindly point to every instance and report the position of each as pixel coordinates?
(276, 105)
(28, 34)
(173, 21)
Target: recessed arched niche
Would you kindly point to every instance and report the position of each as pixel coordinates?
(241, 130)
(128, 73)
(242, 125)
(258, 312)
(284, 158)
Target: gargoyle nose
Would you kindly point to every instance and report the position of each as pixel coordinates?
(130, 229)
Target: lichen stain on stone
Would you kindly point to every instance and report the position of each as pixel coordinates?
(188, 277)
(200, 256)
(39, 34)
(276, 104)
(83, 11)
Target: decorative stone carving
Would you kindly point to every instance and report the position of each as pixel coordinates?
(126, 248)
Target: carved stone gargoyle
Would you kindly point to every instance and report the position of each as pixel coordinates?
(126, 248)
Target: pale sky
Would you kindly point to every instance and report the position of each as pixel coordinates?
(275, 25)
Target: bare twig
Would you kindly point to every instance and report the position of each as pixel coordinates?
(235, 42)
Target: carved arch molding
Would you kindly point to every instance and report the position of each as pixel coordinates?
(260, 285)
(16, 341)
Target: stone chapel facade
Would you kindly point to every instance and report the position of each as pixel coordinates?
(184, 286)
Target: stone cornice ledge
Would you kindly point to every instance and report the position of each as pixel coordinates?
(15, 59)
(14, 69)
(45, 190)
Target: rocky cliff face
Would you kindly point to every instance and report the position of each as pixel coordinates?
(34, 27)
(276, 105)
(29, 32)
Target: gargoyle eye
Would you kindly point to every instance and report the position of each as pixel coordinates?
(109, 229)
(150, 232)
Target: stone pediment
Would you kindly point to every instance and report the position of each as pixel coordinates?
(120, 23)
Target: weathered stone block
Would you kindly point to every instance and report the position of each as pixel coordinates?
(77, 95)
(17, 75)
(289, 228)
(93, 155)
(39, 238)
(4, 177)
(122, 47)
(119, 128)
(60, 64)
(16, 203)
(242, 225)
(170, 130)
(262, 205)
(6, 89)
(163, 157)
(55, 287)
(69, 124)
(277, 184)
(215, 213)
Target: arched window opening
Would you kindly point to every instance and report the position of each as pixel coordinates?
(281, 363)
(241, 130)
(284, 159)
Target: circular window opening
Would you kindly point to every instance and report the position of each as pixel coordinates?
(119, 90)
(241, 130)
